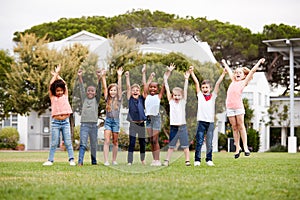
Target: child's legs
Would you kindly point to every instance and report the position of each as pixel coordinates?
(93, 142)
(174, 135)
(184, 141)
(236, 135)
(209, 139)
(242, 131)
(55, 131)
(199, 139)
(142, 140)
(115, 137)
(66, 132)
(132, 139)
(83, 142)
(107, 135)
(153, 128)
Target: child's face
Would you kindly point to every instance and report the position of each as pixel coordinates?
(177, 96)
(113, 92)
(239, 74)
(153, 88)
(91, 92)
(135, 92)
(205, 88)
(59, 92)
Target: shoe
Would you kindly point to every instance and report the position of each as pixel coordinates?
(80, 165)
(106, 163)
(158, 163)
(187, 163)
(72, 163)
(238, 154)
(197, 163)
(153, 163)
(166, 163)
(247, 153)
(129, 164)
(210, 163)
(114, 163)
(48, 163)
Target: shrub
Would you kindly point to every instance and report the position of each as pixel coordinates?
(76, 142)
(222, 142)
(9, 138)
(253, 140)
(278, 148)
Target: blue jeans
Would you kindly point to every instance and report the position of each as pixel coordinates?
(208, 128)
(62, 126)
(88, 130)
(139, 129)
(179, 133)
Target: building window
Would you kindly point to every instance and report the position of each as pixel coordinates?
(259, 99)
(46, 124)
(6, 122)
(249, 96)
(46, 142)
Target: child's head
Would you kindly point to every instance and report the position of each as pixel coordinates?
(241, 73)
(90, 92)
(153, 88)
(206, 87)
(58, 88)
(112, 90)
(135, 91)
(177, 94)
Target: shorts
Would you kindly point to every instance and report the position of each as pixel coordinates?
(234, 112)
(112, 124)
(153, 122)
(181, 133)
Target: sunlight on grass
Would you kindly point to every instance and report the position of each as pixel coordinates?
(260, 176)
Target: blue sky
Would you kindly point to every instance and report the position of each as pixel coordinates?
(19, 15)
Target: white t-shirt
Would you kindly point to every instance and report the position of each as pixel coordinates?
(177, 112)
(152, 104)
(206, 109)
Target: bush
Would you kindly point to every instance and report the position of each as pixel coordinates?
(278, 148)
(9, 138)
(76, 142)
(253, 140)
(222, 142)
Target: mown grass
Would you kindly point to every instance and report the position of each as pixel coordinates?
(260, 176)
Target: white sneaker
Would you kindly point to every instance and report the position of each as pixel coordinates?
(197, 163)
(106, 163)
(158, 163)
(166, 163)
(48, 163)
(72, 163)
(210, 163)
(129, 164)
(114, 163)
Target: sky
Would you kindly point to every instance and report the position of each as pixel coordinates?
(19, 15)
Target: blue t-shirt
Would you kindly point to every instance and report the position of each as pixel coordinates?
(136, 109)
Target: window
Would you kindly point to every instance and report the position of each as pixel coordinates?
(259, 99)
(249, 96)
(46, 142)
(46, 124)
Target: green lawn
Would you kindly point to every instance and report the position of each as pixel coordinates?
(260, 176)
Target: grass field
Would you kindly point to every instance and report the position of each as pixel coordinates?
(260, 176)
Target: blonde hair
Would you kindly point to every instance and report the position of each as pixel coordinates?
(136, 85)
(110, 104)
(177, 89)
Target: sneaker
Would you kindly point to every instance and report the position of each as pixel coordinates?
(72, 163)
(106, 163)
(153, 163)
(187, 163)
(197, 163)
(114, 163)
(210, 163)
(48, 163)
(129, 164)
(158, 163)
(166, 163)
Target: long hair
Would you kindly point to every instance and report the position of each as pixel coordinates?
(110, 104)
(56, 84)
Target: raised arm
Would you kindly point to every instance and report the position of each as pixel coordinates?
(120, 72)
(217, 85)
(253, 70)
(128, 84)
(169, 95)
(228, 69)
(81, 87)
(186, 84)
(99, 78)
(104, 84)
(55, 75)
(197, 85)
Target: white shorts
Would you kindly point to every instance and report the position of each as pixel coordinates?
(234, 112)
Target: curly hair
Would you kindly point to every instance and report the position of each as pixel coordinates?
(57, 84)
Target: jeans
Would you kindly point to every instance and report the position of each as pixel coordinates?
(141, 131)
(179, 133)
(88, 130)
(62, 126)
(203, 127)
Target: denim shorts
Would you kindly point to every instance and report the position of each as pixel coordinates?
(112, 124)
(153, 122)
(181, 133)
(234, 112)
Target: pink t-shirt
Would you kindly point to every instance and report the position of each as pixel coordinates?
(234, 95)
(60, 105)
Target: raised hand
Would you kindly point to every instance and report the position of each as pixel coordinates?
(120, 71)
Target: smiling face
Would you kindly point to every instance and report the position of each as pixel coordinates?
(239, 74)
(177, 94)
(135, 92)
(205, 89)
(91, 92)
(153, 88)
(113, 91)
(59, 92)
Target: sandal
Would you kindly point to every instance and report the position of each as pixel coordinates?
(187, 163)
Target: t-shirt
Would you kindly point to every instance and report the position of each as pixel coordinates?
(60, 105)
(152, 104)
(206, 107)
(136, 109)
(234, 95)
(177, 112)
